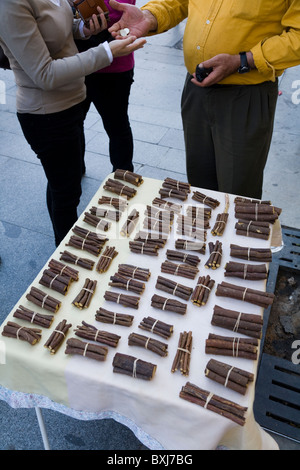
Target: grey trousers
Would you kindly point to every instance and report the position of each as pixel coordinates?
(228, 131)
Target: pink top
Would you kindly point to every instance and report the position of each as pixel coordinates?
(119, 64)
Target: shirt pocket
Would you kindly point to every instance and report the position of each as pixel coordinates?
(257, 10)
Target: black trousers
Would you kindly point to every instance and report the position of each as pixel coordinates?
(58, 141)
(228, 131)
(109, 92)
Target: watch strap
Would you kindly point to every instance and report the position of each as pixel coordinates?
(244, 67)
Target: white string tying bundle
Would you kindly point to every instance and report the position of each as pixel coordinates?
(248, 228)
(235, 348)
(208, 398)
(88, 290)
(123, 187)
(184, 350)
(62, 270)
(60, 332)
(237, 323)
(50, 285)
(202, 285)
(175, 288)
(18, 331)
(154, 325)
(33, 317)
(133, 274)
(227, 376)
(134, 368)
(44, 300)
(85, 349)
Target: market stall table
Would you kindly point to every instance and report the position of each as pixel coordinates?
(123, 376)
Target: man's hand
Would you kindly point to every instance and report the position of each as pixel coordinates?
(137, 21)
(223, 65)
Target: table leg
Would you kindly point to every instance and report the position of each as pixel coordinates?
(42, 428)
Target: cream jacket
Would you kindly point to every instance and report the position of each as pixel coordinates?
(37, 37)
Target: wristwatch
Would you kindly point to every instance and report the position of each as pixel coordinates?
(244, 67)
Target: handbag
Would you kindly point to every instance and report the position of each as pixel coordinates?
(4, 62)
(86, 8)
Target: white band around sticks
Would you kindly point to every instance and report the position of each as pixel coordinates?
(33, 317)
(237, 323)
(248, 228)
(62, 269)
(134, 368)
(227, 376)
(184, 350)
(88, 290)
(209, 397)
(85, 349)
(61, 332)
(50, 285)
(153, 326)
(44, 300)
(175, 288)
(235, 349)
(19, 330)
(202, 285)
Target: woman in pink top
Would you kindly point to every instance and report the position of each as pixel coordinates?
(109, 89)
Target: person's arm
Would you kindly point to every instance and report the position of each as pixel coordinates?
(223, 65)
(26, 44)
(270, 56)
(275, 54)
(137, 21)
(153, 18)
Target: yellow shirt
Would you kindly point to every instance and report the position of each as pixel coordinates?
(270, 29)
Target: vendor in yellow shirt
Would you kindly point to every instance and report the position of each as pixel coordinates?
(228, 117)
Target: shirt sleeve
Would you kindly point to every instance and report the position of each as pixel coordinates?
(168, 13)
(273, 55)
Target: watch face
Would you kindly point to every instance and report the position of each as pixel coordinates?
(244, 69)
(244, 63)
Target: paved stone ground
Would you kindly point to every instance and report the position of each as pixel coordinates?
(26, 240)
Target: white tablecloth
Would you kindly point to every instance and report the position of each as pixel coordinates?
(89, 389)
